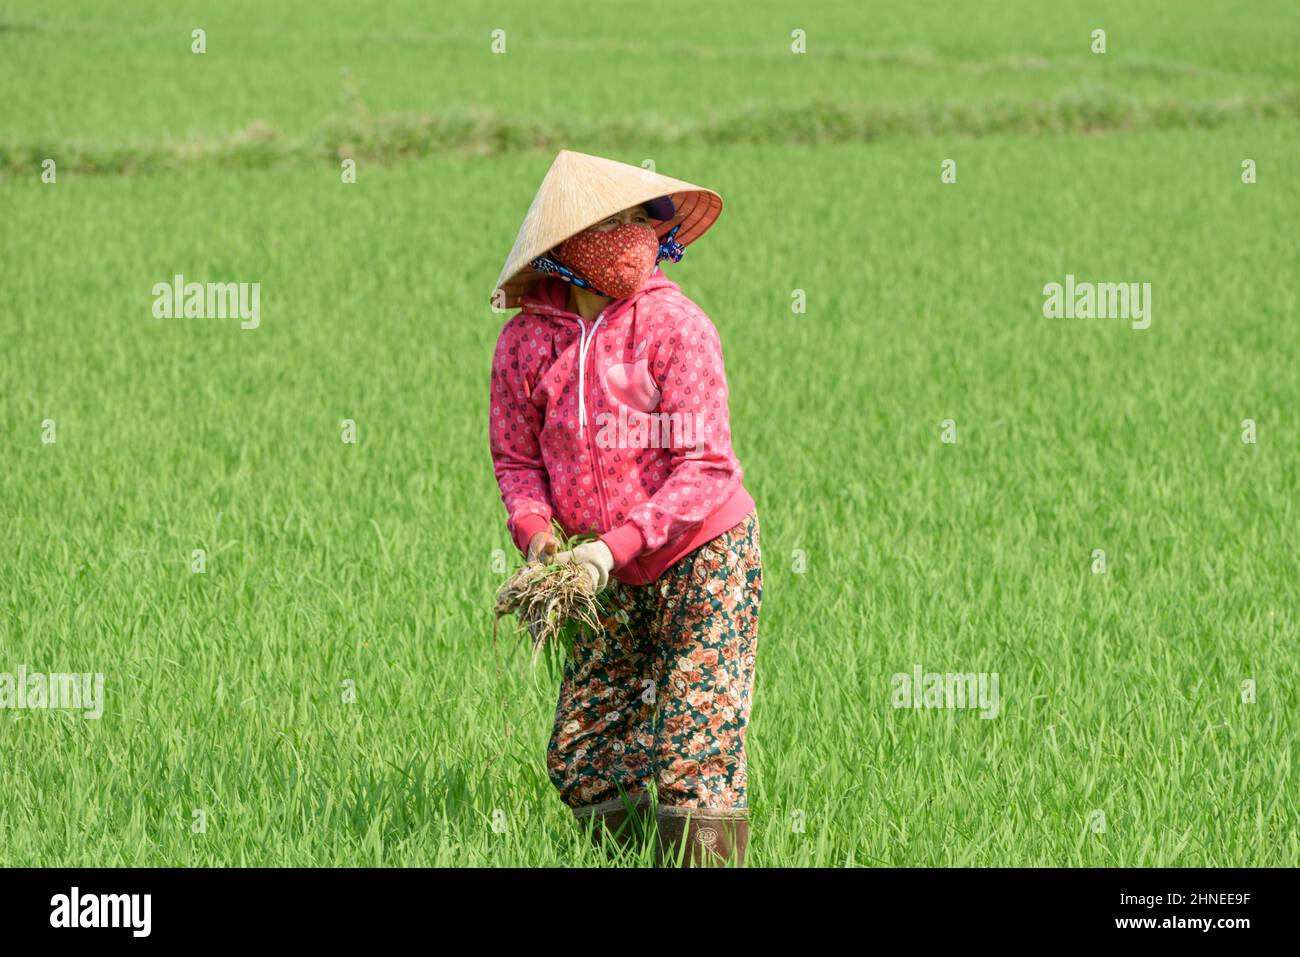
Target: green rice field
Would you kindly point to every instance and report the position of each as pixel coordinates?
(936, 462)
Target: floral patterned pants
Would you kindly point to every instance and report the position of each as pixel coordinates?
(663, 691)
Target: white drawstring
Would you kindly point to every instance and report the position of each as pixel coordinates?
(584, 343)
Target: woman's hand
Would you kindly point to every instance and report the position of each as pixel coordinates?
(542, 547)
(596, 558)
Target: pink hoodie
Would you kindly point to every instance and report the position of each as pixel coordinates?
(571, 436)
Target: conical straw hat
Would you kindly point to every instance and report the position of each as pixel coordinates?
(579, 191)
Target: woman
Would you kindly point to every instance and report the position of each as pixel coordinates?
(609, 414)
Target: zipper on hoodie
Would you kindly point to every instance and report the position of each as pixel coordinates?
(602, 503)
(598, 475)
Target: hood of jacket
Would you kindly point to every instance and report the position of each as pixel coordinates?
(550, 297)
(551, 301)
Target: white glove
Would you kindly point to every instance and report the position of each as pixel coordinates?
(596, 558)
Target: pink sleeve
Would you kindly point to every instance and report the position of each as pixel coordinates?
(513, 433)
(705, 473)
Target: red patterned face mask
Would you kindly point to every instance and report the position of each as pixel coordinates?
(617, 262)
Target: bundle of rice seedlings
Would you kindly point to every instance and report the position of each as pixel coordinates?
(551, 601)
